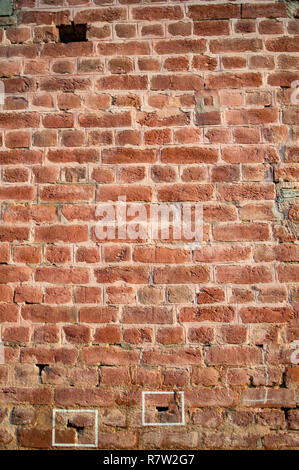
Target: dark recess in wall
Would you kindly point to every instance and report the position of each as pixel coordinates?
(72, 33)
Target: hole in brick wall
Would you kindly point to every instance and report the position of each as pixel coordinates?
(162, 409)
(72, 32)
(41, 367)
(78, 428)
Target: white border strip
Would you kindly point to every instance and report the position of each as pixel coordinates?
(181, 423)
(57, 444)
(2, 355)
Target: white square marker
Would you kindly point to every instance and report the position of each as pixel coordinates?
(180, 423)
(60, 444)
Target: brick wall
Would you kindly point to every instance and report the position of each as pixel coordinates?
(164, 102)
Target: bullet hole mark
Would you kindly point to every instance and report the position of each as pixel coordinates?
(162, 409)
(41, 367)
(79, 429)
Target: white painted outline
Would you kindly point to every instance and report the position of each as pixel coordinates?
(2, 93)
(2, 353)
(294, 97)
(295, 345)
(182, 423)
(59, 444)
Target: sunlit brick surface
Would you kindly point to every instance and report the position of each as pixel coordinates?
(166, 102)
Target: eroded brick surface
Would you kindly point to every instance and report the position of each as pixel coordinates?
(166, 103)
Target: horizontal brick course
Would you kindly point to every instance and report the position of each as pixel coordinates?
(166, 104)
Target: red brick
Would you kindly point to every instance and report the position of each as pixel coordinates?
(128, 48)
(184, 82)
(55, 254)
(29, 213)
(146, 315)
(204, 335)
(204, 62)
(87, 255)
(189, 155)
(266, 314)
(11, 233)
(279, 441)
(104, 120)
(223, 11)
(4, 252)
(160, 255)
(110, 355)
(263, 211)
(97, 314)
(114, 376)
(234, 334)
(28, 295)
(122, 82)
(163, 173)
(275, 398)
(77, 334)
(245, 26)
(73, 155)
(47, 313)
(152, 30)
(270, 27)
(55, 275)
(120, 295)
(125, 30)
(211, 28)
(210, 295)
(182, 356)
(170, 335)
(18, 193)
(6, 294)
(148, 65)
(14, 273)
(288, 273)
(9, 313)
(245, 191)
(261, 62)
(234, 355)
(264, 11)
(242, 232)
(236, 45)
(216, 319)
(66, 193)
(181, 275)
(180, 46)
(283, 44)
(153, 13)
(180, 28)
(131, 193)
(57, 295)
(211, 313)
(173, 64)
(138, 335)
(233, 62)
(17, 139)
(127, 155)
(243, 274)
(19, 334)
(27, 254)
(42, 438)
(56, 233)
(155, 119)
(185, 192)
(15, 175)
(251, 116)
(107, 334)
